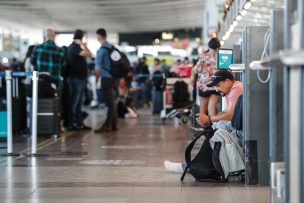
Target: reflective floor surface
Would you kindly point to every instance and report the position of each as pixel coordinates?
(120, 167)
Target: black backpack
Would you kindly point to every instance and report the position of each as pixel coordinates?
(46, 87)
(181, 95)
(120, 64)
(205, 165)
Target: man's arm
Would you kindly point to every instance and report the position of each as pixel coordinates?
(203, 119)
(34, 58)
(98, 64)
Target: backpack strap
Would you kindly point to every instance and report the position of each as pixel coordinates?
(109, 51)
(108, 48)
(189, 149)
(216, 160)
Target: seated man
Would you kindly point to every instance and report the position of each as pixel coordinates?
(229, 88)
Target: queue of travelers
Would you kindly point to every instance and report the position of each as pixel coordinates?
(68, 69)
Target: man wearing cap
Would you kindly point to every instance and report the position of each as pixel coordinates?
(231, 89)
(76, 79)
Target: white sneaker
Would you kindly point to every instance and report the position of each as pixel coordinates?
(174, 167)
(93, 104)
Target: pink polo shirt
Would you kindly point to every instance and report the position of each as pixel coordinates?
(233, 95)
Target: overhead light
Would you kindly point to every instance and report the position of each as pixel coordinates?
(244, 12)
(222, 43)
(235, 23)
(231, 28)
(167, 35)
(5, 60)
(156, 41)
(247, 5)
(238, 18)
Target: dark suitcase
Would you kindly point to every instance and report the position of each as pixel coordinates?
(18, 106)
(48, 117)
(157, 101)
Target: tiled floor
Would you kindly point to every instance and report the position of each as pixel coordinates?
(121, 167)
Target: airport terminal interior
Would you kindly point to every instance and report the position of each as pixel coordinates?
(151, 101)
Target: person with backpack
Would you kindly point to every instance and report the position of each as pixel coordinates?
(109, 83)
(231, 89)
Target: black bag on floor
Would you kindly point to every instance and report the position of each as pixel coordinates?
(205, 165)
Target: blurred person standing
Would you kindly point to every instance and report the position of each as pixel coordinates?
(28, 67)
(142, 76)
(174, 68)
(156, 66)
(109, 84)
(77, 71)
(205, 68)
(48, 58)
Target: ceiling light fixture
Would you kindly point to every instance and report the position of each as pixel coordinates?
(247, 5)
(238, 18)
(244, 12)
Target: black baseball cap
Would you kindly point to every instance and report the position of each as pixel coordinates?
(219, 76)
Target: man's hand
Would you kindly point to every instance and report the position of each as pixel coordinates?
(202, 119)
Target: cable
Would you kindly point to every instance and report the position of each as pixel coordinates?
(266, 41)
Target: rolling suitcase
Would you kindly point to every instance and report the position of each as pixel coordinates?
(48, 116)
(48, 119)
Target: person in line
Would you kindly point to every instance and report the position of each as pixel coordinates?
(142, 76)
(28, 67)
(205, 68)
(77, 52)
(48, 58)
(109, 84)
(229, 88)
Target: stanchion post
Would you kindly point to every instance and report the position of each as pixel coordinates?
(34, 112)
(8, 77)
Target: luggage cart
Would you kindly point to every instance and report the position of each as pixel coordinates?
(168, 111)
